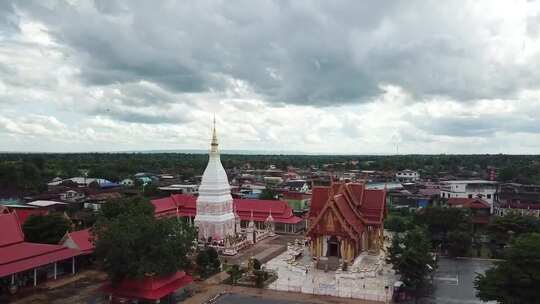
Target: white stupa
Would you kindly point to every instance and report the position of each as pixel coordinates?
(215, 216)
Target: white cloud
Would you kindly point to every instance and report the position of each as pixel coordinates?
(432, 78)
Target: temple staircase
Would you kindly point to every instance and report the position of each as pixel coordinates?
(328, 263)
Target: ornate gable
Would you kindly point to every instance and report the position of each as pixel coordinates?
(338, 210)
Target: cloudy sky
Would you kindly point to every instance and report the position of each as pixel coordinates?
(314, 76)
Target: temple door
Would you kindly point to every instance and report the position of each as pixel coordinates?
(333, 247)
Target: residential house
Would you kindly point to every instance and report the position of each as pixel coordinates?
(127, 182)
(298, 201)
(518, 198)
(298, 185)
(479, 208)
(486, 190)
(407, 176)
(95, 201)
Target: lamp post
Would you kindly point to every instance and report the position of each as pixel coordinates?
(288, 283)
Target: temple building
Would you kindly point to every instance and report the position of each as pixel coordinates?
(345, 220)
(185, 206)
(29, 264)
(215, 217)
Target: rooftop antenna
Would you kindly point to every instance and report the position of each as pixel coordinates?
(395, 138)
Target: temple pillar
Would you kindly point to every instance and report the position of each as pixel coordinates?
(343, 249)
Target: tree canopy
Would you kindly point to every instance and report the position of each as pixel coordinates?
(411, 258)
(132, 243)
(516, 278)
(208, 261)
(501, 228)
(47, 229)
(22, 173)
(267, 194)
(439, 222)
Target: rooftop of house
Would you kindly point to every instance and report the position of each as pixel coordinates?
(472, 203)
(45, 203)
(474, 181)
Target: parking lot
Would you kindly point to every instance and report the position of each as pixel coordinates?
(454, 281)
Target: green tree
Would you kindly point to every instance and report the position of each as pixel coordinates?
(411, 258)
(440, 221)
(260, 277)
(459, 243)
(203, 262)
(214, 261)
(208, 261)
(131, 243)
(515, 279)
(150, 190)
(507, 174)
(501, 228)
(126, 206)
(47, 229)
(235, 273)
(256, 264)
(267, 194)
(397, 223)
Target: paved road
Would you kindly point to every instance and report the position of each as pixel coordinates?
(454, 281)
(243, 299)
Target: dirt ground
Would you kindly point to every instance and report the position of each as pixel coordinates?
(82, 288)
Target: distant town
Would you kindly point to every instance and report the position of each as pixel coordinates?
(315, 223)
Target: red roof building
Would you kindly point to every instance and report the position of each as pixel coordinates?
(480, 209)
(17, 256)
(184, 205)
(345, 219)
(80, 240)
(149, 288)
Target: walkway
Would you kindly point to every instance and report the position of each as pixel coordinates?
(80, 288)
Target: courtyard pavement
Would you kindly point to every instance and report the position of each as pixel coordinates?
(302, 277)
(243, 299)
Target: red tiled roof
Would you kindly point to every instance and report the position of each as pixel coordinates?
(357, 205)
(17, 255)
(34, 257)
(295, 195)
(11, 230)
(149, 288)
(187, 206)
(373, 206)
(319, 197)
(82, 239)
(357, 191)
(349, 214)
(473, 203)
